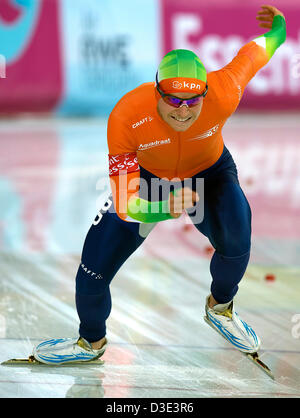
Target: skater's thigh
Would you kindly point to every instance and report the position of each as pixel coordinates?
(227, 218)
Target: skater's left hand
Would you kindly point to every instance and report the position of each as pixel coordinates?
(266, 16)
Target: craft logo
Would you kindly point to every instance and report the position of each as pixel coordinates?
(142, 121)
(91, 273)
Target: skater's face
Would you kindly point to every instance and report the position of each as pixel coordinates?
(181, 118)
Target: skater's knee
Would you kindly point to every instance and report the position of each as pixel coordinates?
(233, 245)
(90, 282)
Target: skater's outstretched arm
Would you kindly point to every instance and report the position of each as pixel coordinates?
(255, 54)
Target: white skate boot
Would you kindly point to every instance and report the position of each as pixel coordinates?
(226, 321)
(66, 350)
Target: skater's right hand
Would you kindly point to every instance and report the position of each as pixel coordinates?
(182, 199)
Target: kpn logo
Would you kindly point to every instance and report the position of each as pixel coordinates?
(177, 85)
(185, 85)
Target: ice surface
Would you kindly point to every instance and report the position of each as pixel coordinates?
(52, 180)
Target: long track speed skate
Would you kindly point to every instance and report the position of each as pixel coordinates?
(61, 351)
(223, 319)
(32, 361)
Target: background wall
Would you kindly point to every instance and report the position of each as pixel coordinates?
(78, 57)
(72, 58)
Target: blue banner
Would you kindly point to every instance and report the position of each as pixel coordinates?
(109, 48)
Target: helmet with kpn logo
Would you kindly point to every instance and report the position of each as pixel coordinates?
(181, 71)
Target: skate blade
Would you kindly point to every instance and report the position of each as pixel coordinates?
(32, 361)
(254, 357)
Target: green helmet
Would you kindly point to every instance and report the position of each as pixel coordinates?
(183, 66)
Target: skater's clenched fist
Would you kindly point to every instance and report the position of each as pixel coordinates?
(182, 199)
